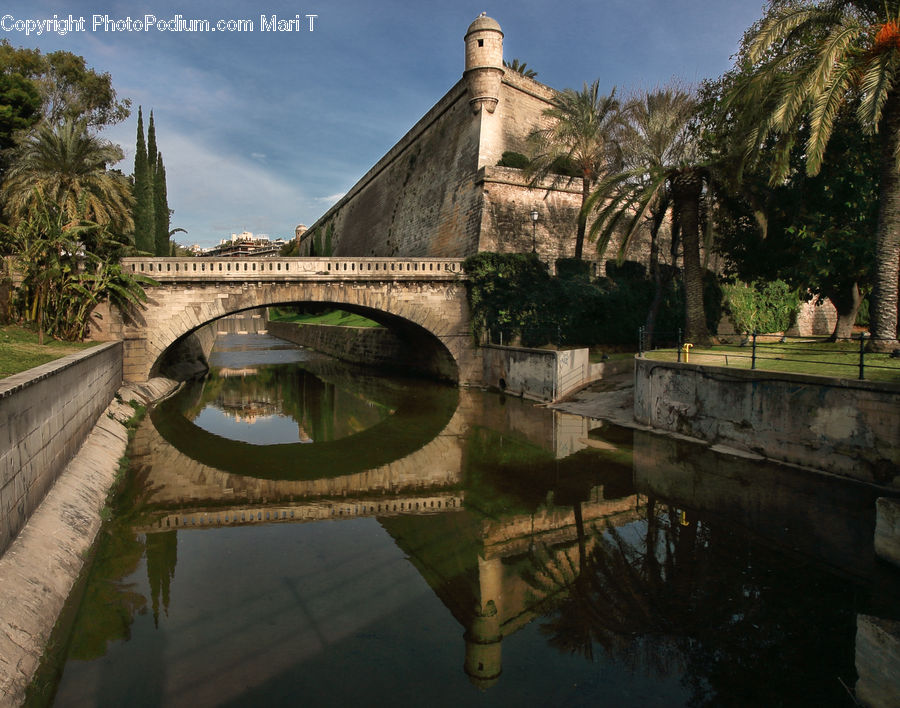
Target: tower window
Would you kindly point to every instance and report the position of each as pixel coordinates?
(480, 42)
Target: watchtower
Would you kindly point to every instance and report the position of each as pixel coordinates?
(484, 63)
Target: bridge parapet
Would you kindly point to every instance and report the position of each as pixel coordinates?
(295, 269)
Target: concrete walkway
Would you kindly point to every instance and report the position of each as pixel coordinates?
(41, 565)
(610, 399)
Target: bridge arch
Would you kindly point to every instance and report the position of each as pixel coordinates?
(424, 299)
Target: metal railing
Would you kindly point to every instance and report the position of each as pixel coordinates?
(761, 350)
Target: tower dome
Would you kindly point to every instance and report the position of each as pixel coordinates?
(484, 62)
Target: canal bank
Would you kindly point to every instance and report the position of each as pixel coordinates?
(678, 411)
(44, 560)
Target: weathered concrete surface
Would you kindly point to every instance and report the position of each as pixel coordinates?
(38, 570)
(877, 662)
(45, 415)
(610, 399)
(40, 567)
(887, 529)
(851, 428)
(536, 374)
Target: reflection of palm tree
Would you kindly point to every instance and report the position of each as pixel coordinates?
(619, 591)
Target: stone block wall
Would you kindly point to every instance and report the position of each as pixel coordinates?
(851, 428)
(420, 199)
(369, 346)
(45, 415)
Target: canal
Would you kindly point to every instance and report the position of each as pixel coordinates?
(298, 531)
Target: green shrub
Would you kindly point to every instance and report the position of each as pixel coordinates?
(514, 159)
(573, 268)
(761, 306)
(862, 315)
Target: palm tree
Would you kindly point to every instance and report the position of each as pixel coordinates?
(67, 166)
(814, 57)
(520, 68)
(661, 173)
(582, 134)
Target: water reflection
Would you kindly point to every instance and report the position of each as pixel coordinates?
(515, 556)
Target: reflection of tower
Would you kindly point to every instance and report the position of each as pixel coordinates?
(483, 662)
(484, 63)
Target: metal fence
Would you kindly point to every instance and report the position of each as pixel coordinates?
(760, 349)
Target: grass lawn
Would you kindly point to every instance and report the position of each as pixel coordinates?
(335, 318)
(835, 359)
(19, 349)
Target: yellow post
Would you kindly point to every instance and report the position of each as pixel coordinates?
(686, 348)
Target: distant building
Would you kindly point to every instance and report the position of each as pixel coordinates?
(246, 244)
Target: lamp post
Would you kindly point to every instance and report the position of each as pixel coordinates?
(534, 220)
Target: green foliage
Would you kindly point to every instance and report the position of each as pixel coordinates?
(68, 89)
(761, 306)
(520, 68)
(143, 193)
(513, 295)
(508, 296)
(160, 208)
(514, 159)
(319, 247)
(573, 269)
(20, 108)
(151, 206)
(68, 266)
(67, 165)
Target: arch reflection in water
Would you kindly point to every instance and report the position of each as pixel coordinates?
(498, 554)
(308, 420)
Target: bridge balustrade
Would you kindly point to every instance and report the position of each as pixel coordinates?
(215, 269)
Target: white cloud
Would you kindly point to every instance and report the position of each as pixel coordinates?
(215, 192)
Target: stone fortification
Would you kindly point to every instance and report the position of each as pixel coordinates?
(439, 193)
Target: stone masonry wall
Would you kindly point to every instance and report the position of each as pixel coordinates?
(45, 415)
(420, 199)
(851, 428)
(375, 346)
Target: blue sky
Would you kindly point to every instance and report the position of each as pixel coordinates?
(262, 130)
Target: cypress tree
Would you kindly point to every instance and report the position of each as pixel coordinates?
(151, 184)
(161, 208)
(143, 200)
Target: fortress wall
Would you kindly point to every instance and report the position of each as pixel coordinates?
(520, 110)
(421, 198)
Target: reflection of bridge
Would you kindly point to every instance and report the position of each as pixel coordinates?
(306, 511)
(422, 299)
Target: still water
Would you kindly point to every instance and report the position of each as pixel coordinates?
(297, 531)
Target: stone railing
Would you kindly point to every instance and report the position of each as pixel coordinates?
(257, 269)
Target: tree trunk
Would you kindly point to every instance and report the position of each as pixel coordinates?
(687, 186)
(582, 217)
(655, 224)
(883, 315)
(846, 301)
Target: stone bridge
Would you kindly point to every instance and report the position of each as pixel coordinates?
(422, 299)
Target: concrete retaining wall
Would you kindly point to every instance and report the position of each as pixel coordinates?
(851, 428)
(45, 415)
(377, 346)
(381, 347)
(539, 374)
